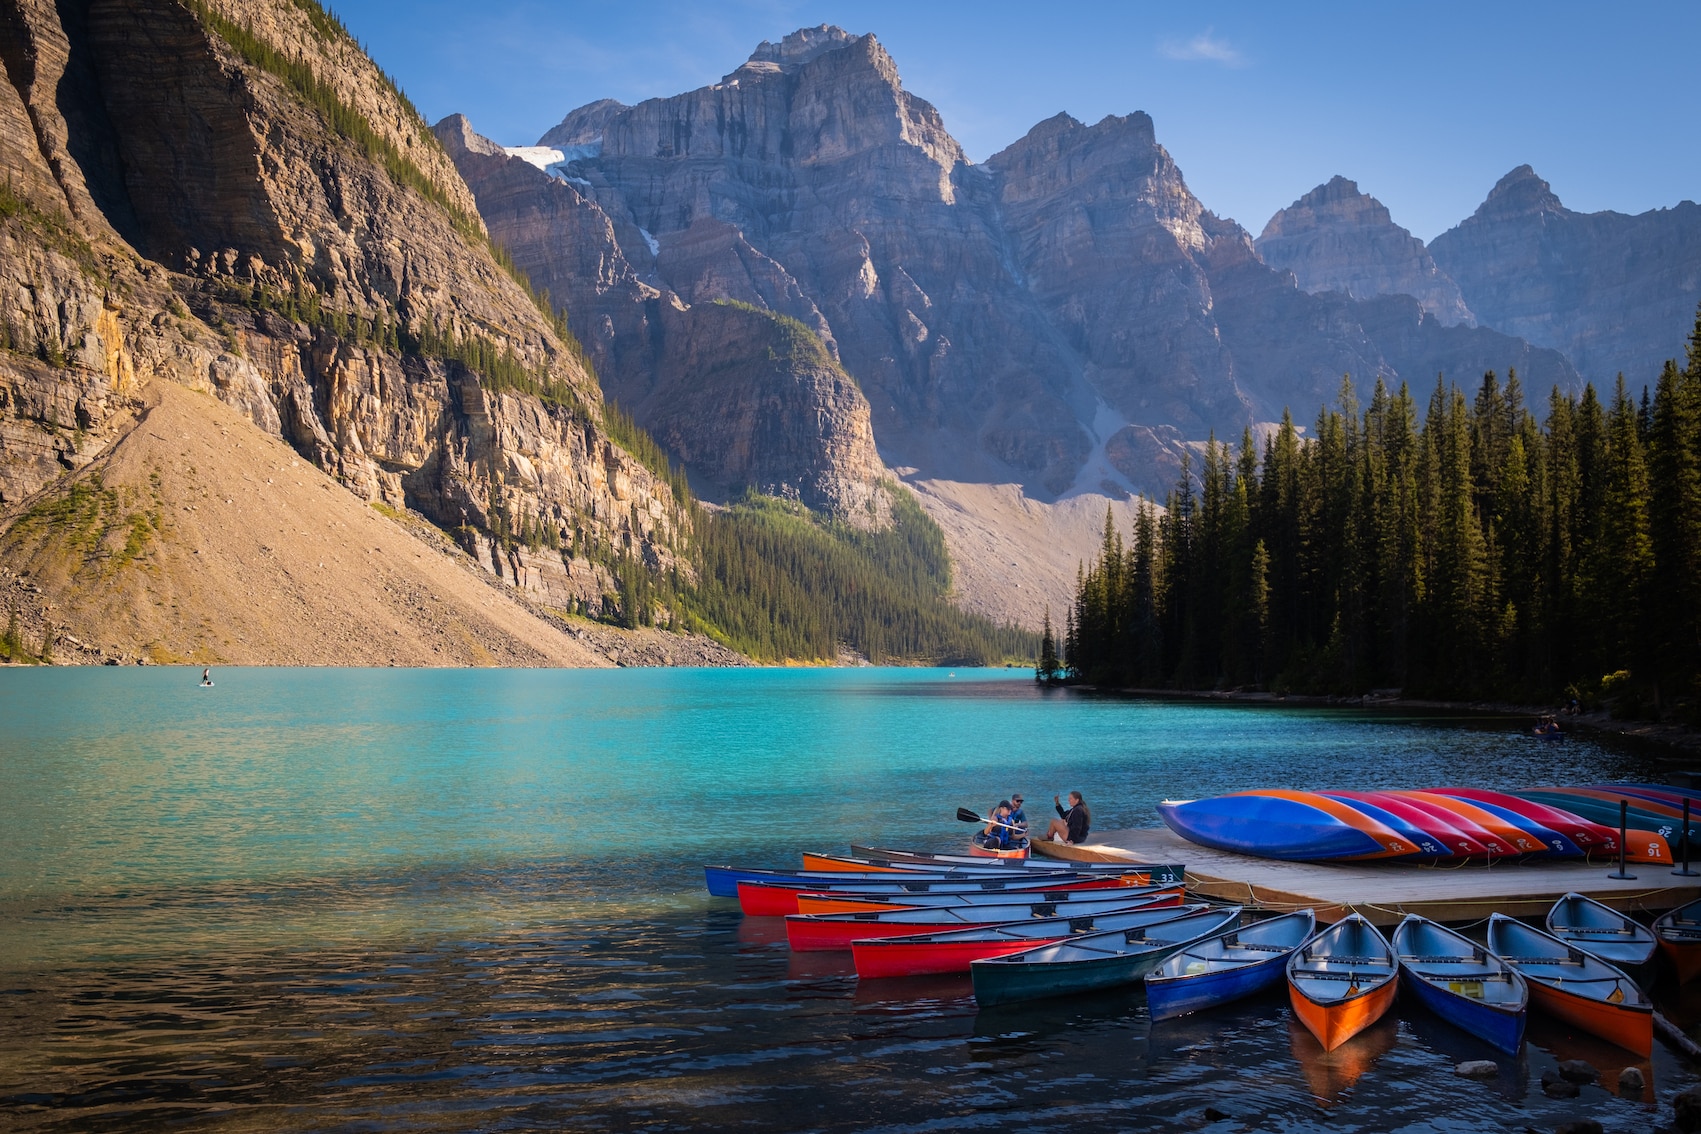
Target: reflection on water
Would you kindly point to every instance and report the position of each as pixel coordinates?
(375, 901)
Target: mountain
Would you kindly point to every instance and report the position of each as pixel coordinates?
(1336, 238)
(226, 201)
(1615, 293)
(1066, 317)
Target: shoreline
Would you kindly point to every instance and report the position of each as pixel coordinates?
(1680, 738)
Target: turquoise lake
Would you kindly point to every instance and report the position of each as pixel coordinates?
(384, 899)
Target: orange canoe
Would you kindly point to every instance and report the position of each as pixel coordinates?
(1575, 986)
(1342, 981)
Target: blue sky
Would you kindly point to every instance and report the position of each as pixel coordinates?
(1425, 106)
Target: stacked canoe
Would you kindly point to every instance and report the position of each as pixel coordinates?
(910, 914)
(1444, 823)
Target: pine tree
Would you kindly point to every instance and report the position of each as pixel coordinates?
(1047, 671)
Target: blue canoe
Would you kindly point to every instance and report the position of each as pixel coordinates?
(1463, 983)
(1228, 966)
(1266, 826)
(1612, 936)
(722, 881)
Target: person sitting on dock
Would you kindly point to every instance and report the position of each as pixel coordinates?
(1070, 826)
(999, 832)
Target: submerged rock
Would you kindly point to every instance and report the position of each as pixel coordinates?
(1478, 1069)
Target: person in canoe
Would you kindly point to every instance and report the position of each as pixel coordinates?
(1018, 817)
(999, 833)
(1073, 825)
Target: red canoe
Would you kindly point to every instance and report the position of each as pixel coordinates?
(1590, 836)
(931, 954)
(778, 898)
(813, 932)
(1439, 828)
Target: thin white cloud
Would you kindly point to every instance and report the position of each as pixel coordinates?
(1203, 48)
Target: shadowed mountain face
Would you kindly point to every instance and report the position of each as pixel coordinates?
(1336, 238)
(1614, 292)
(1064, 316)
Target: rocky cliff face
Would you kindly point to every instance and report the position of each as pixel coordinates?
(1613, 292)
(1336, 238)
(230, 196)
(1066, 316)
(735, 372)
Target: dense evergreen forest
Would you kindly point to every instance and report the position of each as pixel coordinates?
(779, 582)
(1472, 551)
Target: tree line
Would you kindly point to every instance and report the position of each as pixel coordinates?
(1470, 551)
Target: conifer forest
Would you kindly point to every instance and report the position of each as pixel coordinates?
(1478, 547)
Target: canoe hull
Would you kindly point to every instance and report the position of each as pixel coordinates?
(1628, 1027)
(1335, 1024)
(1267, 827)
(1500, 1029)
(1009, 982)
(1685, 957)
(979, 851)
(875, 960)
(1170, 998)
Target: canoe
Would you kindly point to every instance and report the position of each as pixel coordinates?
(1228, 966)
(1612, 936)
(1158, 872)
(1544, 841)
(1001, 853)
(839, 902)
(1462, 982)
(1092, 962)
(1511, 835)
(1679, 934)
(1590, 836)
(815, 932)
(1275, 827)
(1493, 845)
(722, 881)
(953, 951)
(1342, 980)
(1660, 805)
(1433, 820)
(1575, 986)
(778, 897)
(1644, 841)
(1391, 843)
(1428, 845)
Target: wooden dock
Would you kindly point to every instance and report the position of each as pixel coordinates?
(1385, 892)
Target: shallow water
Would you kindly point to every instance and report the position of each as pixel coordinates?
(352, 899)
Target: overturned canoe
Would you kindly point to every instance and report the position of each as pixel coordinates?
(1228, 966)
(816, 932)
(1575, 986)
(1288, 825)
(1679, 934)
(1092, 962)
(1644, 841)
(1433, 820)
(953, 951)
(1612, 936)
(1589, 836)
(1462, 982)
(1342, 981)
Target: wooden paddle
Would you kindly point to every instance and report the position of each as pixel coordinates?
(966, 816)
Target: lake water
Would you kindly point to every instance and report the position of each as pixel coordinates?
(403, 899)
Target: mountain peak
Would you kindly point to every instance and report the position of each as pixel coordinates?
(802, 46)
(1520, 193)
(1336, 203)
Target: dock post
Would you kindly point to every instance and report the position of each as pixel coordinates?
(1686, 872)
(1623, 824)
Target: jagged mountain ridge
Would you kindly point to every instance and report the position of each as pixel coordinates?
(1616, 293)
(1336, 238)
(1065, 313)
(229, 196)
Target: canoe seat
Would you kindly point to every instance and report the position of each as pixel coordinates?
(1498, 975)
(1442, 960)
(1594, 931)
(1260, 948)
(1383, 962)
(1325, 974)
(1574, 959)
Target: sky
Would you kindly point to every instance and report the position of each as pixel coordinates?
(1425, 106)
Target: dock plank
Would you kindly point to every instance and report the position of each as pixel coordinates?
(1384, 892)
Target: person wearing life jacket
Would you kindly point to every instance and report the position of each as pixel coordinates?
(1018, 818)
(997, 834)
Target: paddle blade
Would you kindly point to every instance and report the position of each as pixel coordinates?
(966, 816)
